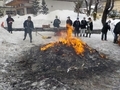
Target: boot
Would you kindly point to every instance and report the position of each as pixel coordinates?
(89, 35)
(30, 41)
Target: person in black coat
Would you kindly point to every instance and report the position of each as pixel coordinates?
(9, 20)
(69, 21)
(76, 26)
(83, 27)
(89, 27)
(116, 32)
(104, 30)
(28, 27)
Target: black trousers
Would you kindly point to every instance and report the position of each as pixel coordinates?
(10, 28)
(104, 36)
(76, 32)
(29, 31)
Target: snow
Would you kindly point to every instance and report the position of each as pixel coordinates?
(41, 19)
(12, 45)
(16, 37)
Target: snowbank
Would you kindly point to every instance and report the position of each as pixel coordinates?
(6, 37)
(41, 19)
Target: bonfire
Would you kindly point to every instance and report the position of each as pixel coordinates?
(70, 54)
(67, 59)
(70, 41)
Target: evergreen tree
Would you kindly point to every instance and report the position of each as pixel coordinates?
(36, 6)
(44, 9)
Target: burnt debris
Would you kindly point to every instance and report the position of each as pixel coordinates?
(62, 61)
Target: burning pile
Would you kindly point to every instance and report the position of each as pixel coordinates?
(69, 57)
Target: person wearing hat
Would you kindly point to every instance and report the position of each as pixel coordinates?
(28, 27)
(76, 26)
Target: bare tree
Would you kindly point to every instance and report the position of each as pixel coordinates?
(108, 7)
(88, 6)
(95, 9)
(78, 5)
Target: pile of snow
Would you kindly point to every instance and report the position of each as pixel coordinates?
(6, 37)
(41, 19)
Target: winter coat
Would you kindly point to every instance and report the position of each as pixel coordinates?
(28, 25)
(105, 28)
(76, 24)
(69, 21)
(90, 25)
(9, 20)
(56, 23)
(83, 24)
(117, 28)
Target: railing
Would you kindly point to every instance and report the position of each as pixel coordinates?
(95, 31)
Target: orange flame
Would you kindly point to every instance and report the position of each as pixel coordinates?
(76, 43)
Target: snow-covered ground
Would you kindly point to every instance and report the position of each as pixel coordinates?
(12, 45)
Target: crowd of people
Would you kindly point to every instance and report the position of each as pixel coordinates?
(85, 27)
(81, 28)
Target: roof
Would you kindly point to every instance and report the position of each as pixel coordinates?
(15, 2)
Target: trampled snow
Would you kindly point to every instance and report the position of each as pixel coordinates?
(41, 19)
(12, 45)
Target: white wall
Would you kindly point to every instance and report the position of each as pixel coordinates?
(59, 5)
(1, 3)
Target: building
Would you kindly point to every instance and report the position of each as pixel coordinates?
(3, 8)
(22, 7)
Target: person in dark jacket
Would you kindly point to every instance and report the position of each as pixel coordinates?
(28, 27)
(76, 26)
(89, 27)
(69, 21)
(56, 22)
(105, 29)
(56, 25)
(83, 27)
(116, 32)
(9, 20)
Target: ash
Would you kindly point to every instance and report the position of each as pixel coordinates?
(56, 67)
